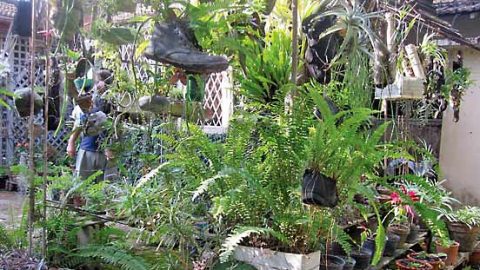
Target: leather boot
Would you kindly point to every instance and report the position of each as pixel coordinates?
(172, 44)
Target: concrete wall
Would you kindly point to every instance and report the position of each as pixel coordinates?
(460, 142)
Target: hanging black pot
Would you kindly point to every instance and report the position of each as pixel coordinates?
(22, 102)
(318, 189)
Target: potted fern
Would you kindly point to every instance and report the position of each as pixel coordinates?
(339, 154)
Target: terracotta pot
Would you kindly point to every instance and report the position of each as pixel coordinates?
(475, 256)
(436, 262)
(451, 251)
(400, 230)
(466, 236)
(406, 264)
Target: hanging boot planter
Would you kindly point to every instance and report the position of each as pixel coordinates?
(318, 189)
(173, 43)
(22, 102)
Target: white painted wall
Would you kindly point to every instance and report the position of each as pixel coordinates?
(460, 142)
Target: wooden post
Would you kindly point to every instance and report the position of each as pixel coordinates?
(415, 62)
(31, 176)
(45, 142)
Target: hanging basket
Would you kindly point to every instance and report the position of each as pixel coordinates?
(404, 87)
(22, 102)
(318, 189)
(166, 105)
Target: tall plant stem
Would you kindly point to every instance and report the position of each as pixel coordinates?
(45, 142)
(31, 175)
(293, 77)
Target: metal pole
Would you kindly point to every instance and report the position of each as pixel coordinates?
(31, 193)
(45, 143)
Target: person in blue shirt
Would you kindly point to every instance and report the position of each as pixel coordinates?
(92, 156)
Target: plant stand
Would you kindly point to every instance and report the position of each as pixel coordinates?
(266, 259)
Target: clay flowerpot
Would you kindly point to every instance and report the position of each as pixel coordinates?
(466, 236)
(391, 245)
(406, 264)
(435, 261)
(475, 256)
(400, 230)
(362, 258)
(331, 262)
(451, 251)
(319, 189)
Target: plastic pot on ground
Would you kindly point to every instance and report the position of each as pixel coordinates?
(400, 230)
(331, 262)
(362, 258)
(391, 245)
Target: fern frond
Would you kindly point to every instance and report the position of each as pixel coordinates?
(110, 255)
(234, 239)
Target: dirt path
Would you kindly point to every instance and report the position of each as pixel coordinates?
(10, 207)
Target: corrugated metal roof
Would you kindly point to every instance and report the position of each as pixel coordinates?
(447, 7)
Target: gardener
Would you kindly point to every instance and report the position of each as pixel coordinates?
(89, 123)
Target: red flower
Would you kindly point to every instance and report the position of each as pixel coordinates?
(413, 196)
(395, 198)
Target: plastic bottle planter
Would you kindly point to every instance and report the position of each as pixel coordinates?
(266, 259)
(451, 251)
(406, 264)
(318, 189)
(464, 235)
(404, 87)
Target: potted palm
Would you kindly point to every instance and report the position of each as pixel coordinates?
(463, 227)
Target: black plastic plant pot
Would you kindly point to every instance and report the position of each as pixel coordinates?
(331, 262)
(413, 235)
(337, 249)
(318, 189)
(369, 245)
(349, 262)
(391, 245)
(362, 259)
